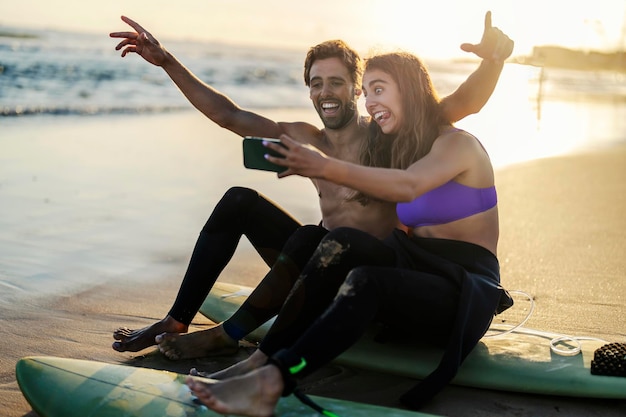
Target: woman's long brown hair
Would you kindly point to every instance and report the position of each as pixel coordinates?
(423, 117)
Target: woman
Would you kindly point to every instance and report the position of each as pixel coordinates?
(437, 273)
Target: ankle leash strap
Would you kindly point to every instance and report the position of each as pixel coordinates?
(289, 365)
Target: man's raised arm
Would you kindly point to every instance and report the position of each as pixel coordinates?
(215, 105)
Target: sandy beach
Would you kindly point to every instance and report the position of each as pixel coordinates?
(99, 216)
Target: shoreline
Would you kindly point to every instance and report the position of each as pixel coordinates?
(562, 234)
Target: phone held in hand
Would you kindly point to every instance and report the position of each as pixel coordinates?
(254, 154)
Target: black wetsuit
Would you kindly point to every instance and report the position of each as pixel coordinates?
(240, 212)
(443, 291)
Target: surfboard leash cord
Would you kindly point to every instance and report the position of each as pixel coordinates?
(555, 339)
(306, 400)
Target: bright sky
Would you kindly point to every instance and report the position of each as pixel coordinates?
(430, 29)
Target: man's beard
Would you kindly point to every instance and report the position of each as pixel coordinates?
(338, 123)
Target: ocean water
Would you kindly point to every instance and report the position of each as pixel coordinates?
(61, 73)
(76, 211)
(51, 72)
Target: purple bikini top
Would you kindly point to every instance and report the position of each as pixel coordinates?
(452, 201)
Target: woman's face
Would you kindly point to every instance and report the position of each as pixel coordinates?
(383, 100)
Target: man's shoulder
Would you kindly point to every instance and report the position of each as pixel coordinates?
(302, 132)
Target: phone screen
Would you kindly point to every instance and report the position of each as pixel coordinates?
(254, 154)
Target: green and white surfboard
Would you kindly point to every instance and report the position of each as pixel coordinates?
(516, 362)
(61, 387)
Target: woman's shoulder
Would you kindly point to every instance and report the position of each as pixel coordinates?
(455, 132)
(453, 136)
(459, 143)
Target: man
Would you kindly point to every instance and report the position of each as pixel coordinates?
(333, 74)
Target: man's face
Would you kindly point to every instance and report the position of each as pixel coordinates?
(332, 92)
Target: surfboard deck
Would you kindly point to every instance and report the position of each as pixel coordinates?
(515, 362)
(61, 387)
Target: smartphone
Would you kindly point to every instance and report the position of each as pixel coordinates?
(254, 154)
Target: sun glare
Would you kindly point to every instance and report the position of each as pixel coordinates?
(436, 29)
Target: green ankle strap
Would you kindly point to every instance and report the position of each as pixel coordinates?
(290, 365)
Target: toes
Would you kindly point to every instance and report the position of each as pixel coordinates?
(169, 353)
(165, 337)
(118, 346)
(122, 333)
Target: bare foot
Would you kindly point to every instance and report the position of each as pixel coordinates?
(136, 340)
(254, 394)
(252, 362)
(209, 342)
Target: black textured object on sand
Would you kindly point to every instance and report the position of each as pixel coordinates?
(610, 360)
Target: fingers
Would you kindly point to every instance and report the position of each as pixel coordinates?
(129, 38)
(123, 35)
(284, 174)
(281, 161)
(469, 47)
(132, 46)
(503, 44)
(487, 20)
(487, 34)
(139, 31)
(278, 147)
(130, 49)
(125, 42)
(499, 36)
(503, 47)
(494, 44)
(133, 24)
